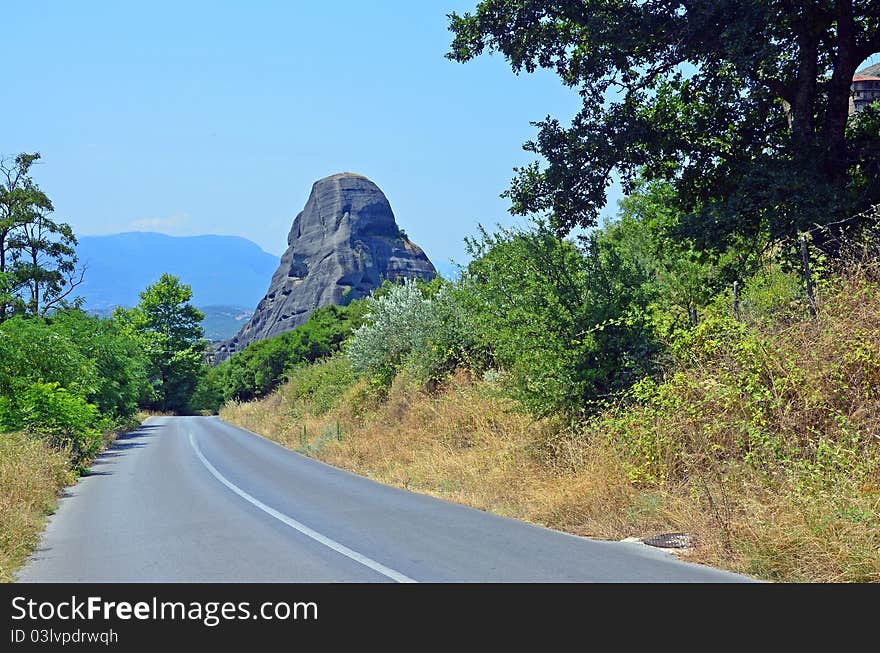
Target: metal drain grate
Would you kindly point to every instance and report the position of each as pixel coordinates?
(669, 541)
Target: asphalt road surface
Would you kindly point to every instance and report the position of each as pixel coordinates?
(193, 499)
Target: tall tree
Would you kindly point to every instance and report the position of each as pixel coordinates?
(18, 199)
(170, 328)
(44, 263)
(37, 254)
(743, 104)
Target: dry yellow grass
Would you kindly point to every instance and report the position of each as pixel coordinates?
(468, 446)
(31, 474)
(456, 444)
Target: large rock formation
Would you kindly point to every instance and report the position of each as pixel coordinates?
(342, 245)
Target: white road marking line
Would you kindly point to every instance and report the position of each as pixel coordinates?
(302, 528)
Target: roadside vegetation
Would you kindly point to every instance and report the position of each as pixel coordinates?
(260, 368)
(70, 381)
(758, 436)
(31, 475)
(706, 362)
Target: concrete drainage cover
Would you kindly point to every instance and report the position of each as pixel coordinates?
(669, 541)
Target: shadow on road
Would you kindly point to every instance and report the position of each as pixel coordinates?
(119, 447)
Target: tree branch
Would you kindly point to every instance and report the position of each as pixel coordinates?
(72, 283)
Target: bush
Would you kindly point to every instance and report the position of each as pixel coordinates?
(33, 350)
(117, 382)
(208, 395)
(68, 378)
(793, 397)
(420, 327)
(87, 355)
(569, 327)
(393, 322)
(66, 421)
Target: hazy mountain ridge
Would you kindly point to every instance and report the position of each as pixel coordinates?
(226, 271)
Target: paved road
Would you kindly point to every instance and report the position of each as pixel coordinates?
(195, 499)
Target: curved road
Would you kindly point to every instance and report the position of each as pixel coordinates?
(194, 499)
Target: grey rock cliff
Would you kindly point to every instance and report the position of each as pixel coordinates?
(341, 246)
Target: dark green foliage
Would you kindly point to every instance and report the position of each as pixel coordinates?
(118, 367)
(681, 278)
(743, 105)
(567, 327)
(37, 253)
(258, 369)
(208, 394)
(863, 134)
(32, 351)
(44, 263)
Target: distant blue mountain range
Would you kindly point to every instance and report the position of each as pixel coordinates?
(222, 270)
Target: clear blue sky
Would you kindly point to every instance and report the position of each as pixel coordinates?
(216, 117)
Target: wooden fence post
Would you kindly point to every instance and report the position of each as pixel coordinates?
(736, 300)
(805, 257)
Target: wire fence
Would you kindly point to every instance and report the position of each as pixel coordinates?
(854, 243)
(861, 229)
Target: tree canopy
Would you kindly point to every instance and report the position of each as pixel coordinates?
(38, 270)
(742, 104)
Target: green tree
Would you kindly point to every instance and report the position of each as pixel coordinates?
(117, 382)
(742, 104)
(44, 263)
(681, 278)
(37, 254)
(19, 198)
(169, 329)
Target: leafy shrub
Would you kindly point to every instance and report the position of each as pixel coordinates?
(208, 395)
(421, 327)
(798, 399)
(87, 355)
(33, 350)
(679, 278)
(67, 379)
(569, 327)
(117, 382)
(772, 295)
(380, 346)
(66, 421)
